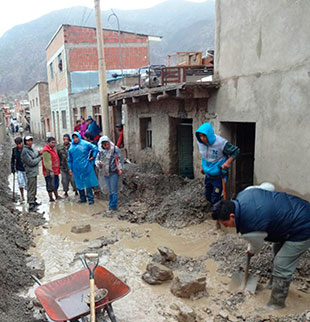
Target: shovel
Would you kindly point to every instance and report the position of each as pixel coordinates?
(244, 281)
(93, 257)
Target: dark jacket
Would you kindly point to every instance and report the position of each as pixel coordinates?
(62, 151)
(31, 161)
(282, 216)
(16, 161)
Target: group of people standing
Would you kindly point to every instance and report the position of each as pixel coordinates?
(86, 161)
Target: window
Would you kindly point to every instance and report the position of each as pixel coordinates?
(83, 112)
(64, 119)
(97, 115)
(146, 132)
(51, 71)
(60, 63)
(75, 115)
(37, 104)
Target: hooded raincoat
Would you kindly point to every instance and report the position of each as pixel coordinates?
(213, 156)
(78, 162)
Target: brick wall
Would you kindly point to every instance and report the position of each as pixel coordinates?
(135, 51)
(81, 59)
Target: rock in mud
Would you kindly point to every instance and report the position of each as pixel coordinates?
(36, 265)
(157, 274)
(185, 314)
(186, 286)
(95, 244)
(81, 229)
(167, 254)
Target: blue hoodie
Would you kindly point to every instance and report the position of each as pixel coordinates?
(212, 153)
(82, 168)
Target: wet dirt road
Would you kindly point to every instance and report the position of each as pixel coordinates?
(129, 249)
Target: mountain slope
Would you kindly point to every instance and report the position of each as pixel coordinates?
(184, 25)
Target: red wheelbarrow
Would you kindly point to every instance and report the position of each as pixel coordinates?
(65, 299)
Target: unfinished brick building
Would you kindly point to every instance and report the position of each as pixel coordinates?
(72, 66)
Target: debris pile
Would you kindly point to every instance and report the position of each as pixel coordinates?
(149, 195)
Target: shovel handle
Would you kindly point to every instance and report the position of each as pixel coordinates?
(92, 299)
(246, 272)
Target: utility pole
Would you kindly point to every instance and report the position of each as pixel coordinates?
(102, 72)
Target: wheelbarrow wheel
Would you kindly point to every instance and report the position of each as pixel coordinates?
(111, 313)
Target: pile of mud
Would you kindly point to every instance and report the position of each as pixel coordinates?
(229, 252)
(15, 239)
(149, 195)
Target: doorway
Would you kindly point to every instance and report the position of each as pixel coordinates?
(185, 148)
(242, 135)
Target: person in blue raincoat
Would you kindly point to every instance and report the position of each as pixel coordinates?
(217, 153)
(80, 163)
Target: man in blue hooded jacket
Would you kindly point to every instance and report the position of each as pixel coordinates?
(271, 216)
(80, 163)
(217, 154)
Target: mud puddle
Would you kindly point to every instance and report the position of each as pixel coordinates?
(128, 248)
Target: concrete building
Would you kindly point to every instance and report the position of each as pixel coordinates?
(40, 112)
(262, 60)
(72, 66)
(160, 124)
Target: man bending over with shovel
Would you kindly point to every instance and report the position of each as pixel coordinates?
(271, 216)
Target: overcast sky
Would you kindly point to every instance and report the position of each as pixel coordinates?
(18, 12)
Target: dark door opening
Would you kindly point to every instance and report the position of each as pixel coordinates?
(242, 135)
(185, 148)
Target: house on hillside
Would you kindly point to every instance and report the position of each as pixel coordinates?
(72, 67)
(262, 56)
(40, 111)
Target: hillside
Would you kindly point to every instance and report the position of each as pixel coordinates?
(184, 25)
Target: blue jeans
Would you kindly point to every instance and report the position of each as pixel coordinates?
(89, 195)
(213, 189)
(112, 183)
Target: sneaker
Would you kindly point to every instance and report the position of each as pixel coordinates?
(66, 194)
(52, 200)
(91, 202)
(37, 203)
(76, 193)
(81, 201)
(32, 207)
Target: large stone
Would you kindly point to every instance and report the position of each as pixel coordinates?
(81, 229)
(157, 274)
(36, 265)
(186, 286)
(167, 254)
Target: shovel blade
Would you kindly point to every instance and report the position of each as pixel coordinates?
(237, 281)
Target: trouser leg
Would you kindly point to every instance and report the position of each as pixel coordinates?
(216, 192)
(114, 191)
(284, 265)
(82, 195)
(65, 177)
(31, 190)
(208, 188)
(90, 195)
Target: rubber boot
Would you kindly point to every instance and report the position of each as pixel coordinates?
(279, 293)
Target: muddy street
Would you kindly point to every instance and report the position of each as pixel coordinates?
(126, 248)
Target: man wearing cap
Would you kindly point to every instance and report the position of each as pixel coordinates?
(272, 216)
(66, 178)
(31, 161)
(93, 128)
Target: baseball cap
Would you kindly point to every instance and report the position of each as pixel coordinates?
(28, 137)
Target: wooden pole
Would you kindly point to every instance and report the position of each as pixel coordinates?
(102, 72)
